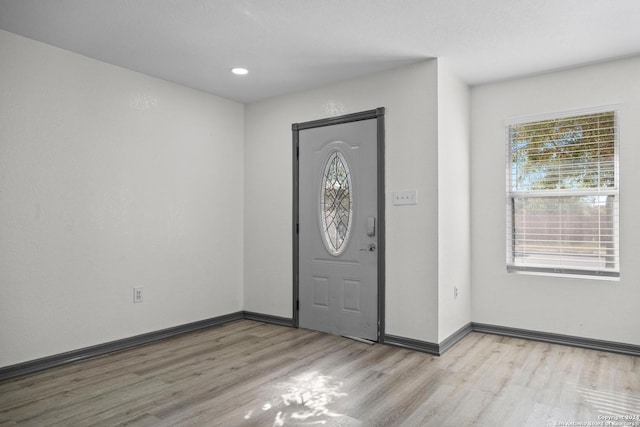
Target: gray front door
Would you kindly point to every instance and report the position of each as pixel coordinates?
(339, 229)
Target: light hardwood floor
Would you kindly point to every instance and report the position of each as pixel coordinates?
(247, 373)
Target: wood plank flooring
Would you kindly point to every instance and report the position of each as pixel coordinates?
(248, 373)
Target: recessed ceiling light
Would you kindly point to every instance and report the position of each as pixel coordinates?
(239, 71)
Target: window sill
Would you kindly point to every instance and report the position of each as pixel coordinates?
(565, 275)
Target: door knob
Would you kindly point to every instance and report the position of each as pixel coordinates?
(371, 248)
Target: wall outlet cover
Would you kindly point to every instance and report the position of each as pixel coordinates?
(137, 294)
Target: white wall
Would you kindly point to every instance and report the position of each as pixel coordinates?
(110, 179)
(589, 308)
(454, 243)
(410, 97)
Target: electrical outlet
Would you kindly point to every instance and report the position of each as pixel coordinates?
(137, 294)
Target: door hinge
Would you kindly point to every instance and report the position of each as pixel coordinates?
(297, 228)
(297, 152)
(297, 305)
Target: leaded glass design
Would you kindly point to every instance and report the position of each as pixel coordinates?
(336, 201)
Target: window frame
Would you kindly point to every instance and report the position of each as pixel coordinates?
(561, 270)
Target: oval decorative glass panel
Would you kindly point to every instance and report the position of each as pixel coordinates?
(336, 203)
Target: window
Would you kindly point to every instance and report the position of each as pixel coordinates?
(336, 201)
(562, 195)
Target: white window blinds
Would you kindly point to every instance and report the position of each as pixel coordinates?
(562, 187)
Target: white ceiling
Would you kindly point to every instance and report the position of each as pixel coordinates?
(290, 45)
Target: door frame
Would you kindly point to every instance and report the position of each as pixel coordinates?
(377, 114)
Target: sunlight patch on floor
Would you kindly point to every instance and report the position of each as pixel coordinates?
(305, 399)
(618, 405)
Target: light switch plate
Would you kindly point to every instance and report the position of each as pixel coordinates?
(405, 197)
